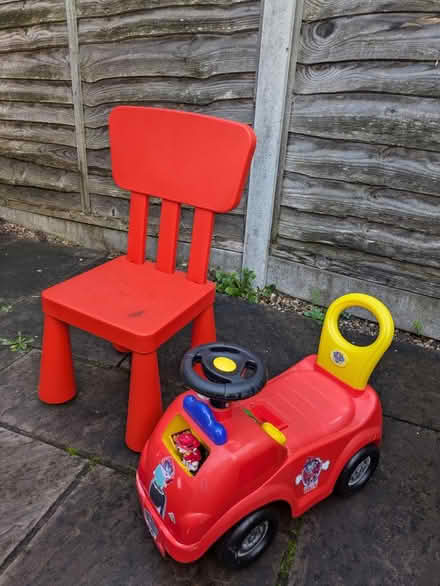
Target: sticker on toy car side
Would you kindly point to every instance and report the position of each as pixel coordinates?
(310, 473)
(163, 474)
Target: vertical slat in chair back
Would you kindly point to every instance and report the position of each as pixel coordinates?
(168, 236)
(137, 227)
(203, 227)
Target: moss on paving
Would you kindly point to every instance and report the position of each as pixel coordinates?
(290, 553)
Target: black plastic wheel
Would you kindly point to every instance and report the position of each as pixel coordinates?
(248, 539)
(358, 471)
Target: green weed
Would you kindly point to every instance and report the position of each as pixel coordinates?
(417, 327)
(236, 285)
(241, 285)
(316, 313)
(19, 344)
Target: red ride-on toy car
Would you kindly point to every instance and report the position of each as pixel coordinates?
(228, 453)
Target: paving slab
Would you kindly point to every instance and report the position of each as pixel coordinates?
(93, 422)
(28, 267)
(97, 536)
(33, 476)
(407, 380)
(7, 357)
(26, 317)
(389, 533)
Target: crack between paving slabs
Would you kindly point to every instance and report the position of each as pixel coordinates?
(91, 459)
(44, 518)
(420, 425)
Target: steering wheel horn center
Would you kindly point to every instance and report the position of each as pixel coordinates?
(224, 364)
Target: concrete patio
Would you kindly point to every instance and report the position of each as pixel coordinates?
(68, 506)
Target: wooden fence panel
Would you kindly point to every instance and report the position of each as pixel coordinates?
(388, 77)
(322, 9)
(395, 120)
(197, 55)
(409, 36)
(201, 58)
(360, 191)
(39, 166)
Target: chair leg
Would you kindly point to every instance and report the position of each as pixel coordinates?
(57, 379)
(145, 401)
(203, 329)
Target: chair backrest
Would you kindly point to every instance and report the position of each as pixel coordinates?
(182, 158)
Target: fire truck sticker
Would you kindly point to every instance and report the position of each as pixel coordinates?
(310, 473)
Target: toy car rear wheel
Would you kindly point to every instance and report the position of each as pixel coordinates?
(358, 471)
(248, 539)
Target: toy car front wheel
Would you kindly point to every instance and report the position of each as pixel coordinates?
(358, 471)
(247, 540)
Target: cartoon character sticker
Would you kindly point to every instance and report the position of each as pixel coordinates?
(310, 473)
(162, 476)
(339, 358)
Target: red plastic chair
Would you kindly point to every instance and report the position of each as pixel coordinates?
(182, 158)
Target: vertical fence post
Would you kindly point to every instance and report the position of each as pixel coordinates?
(277, 26)
(75, 73)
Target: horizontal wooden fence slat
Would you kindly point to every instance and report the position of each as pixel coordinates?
(198, 57)
(183, 90)
(28, 90)
(413, 211)
(41, 36)
(176, 57)
(45, 198)
(172, 21)
(50, 155)
(30, 174)
(394, 77)
(406, 36)
(97, 117)
(39, 132)
(27, 13)
(21, 13)
(50, 64)
(394, 167)
(321, 9)
(362, 235)
(36, 112)
(150, 23)
(368, 267)
(92, 8)
(395, 120)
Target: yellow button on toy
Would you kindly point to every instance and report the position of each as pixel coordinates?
(224, 364)
(274, 433)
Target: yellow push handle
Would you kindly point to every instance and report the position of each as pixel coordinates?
(351, 364)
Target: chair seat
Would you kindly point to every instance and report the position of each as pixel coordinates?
(132, 305)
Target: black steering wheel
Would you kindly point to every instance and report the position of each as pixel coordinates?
(232, 372)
